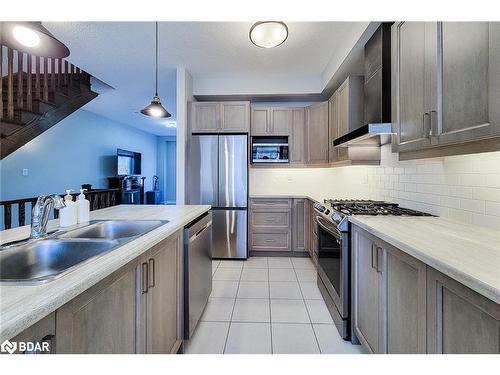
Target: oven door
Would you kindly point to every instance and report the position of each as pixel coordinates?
(333, 263)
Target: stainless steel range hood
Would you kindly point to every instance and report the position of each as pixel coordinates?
(377, 94)
(376, 134)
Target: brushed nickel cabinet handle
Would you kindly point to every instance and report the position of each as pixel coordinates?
(426, 119)
(152, 273)
(374, 257)
(433, 127)
(144, 277)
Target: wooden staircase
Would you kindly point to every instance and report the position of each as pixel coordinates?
(35, 94)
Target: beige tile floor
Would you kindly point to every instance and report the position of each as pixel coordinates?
(266, 305)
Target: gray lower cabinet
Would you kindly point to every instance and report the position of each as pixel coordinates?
(164, 304)
(137, 309)
(300, 225)
(368, 311)
(459, 320)
(42, 333)
(101, 320)
(401, 305)
(270, 224)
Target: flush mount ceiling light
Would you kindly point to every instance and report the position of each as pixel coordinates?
(32, 38)
(155, 109)
(268, 34)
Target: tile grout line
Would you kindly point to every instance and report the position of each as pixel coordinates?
(232, 312)
(308, 314)
(269, 295)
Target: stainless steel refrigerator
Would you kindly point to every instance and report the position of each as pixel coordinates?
(218, 175)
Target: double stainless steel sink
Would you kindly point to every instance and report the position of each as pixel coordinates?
(46, 259)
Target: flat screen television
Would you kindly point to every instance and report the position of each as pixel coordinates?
(128, 163)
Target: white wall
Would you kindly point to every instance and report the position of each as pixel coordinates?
(465, 188)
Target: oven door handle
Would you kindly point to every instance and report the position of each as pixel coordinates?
(334, 232)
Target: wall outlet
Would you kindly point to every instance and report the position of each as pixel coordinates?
(25, 171)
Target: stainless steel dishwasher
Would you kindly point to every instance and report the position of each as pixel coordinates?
(197, 271)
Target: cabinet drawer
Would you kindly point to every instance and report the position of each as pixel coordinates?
(270, 203)
(270, 241)
(275, 218)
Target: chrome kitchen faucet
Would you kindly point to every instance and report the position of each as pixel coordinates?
(40, 214)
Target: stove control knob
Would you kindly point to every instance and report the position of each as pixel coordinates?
(327, 212)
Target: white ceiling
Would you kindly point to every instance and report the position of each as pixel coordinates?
(219, 56)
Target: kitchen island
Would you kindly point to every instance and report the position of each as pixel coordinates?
(22, 305)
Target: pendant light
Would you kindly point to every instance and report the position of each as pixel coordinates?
(155, 109)
(32, 38)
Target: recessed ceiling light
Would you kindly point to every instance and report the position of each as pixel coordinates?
(268, 34)
(26, 36)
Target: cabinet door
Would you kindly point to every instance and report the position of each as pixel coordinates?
(235, 116)
(468, 61)
(342, 119)
(260, 121)
(414, 70)
(297, 135)
(333, 127)
(460, 321)
(317, 133)
(204, 117)
(42, 333)
(299, 225)
(163, 297)
(281, 121)
(405, 303)
(101, 320)
(367, 295)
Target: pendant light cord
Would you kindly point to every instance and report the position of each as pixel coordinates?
(156, 47)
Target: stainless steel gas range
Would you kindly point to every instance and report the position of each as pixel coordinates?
(334, 255)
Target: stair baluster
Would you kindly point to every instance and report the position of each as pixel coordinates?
(10, 83)
(46, 79)
(20, 74)
(29, 89)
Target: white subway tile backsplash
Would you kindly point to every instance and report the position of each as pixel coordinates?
(473, 205)
(464, 188)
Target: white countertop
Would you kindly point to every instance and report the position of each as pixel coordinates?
(23, 305)
(467, 253)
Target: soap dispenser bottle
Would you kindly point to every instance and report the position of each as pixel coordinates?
(68, 214)
(83, 208)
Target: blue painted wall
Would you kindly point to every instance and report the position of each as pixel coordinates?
(80, 149)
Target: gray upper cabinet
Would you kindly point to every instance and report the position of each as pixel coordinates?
(260, 121)
(317, 133)
(470, 59)
(271, 121)
(349, 100)
(444, 83)
(333, 121)
(296, 138)
(204, 117)
(460, 320)
(414, 84)
(219, 117)
(235, 117)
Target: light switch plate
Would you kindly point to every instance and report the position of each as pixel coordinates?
(25, 171)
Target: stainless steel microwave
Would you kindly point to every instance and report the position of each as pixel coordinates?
(269, 149)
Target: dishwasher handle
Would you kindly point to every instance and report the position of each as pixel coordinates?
(200, 231)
